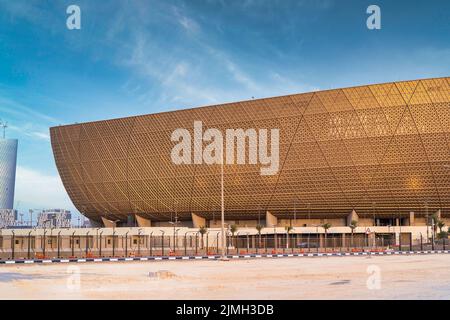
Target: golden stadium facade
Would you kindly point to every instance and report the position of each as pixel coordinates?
(379, 150)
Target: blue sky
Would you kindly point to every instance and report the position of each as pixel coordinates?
(135, 57)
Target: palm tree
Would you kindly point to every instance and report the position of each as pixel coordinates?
(233, 230)
(440, 224)
(202, 230)
(288, 229)
(326, 226)
(259, 228)
(353, 226)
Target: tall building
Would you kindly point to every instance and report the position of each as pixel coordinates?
(8, 218)
(374, 153)
(54, 218)
(8, 158)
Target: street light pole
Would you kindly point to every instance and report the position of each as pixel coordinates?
(222, 215)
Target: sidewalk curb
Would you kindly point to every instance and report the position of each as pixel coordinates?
(216, 257)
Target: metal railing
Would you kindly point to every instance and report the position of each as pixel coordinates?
(193, 243)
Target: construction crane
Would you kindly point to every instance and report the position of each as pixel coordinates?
(4, 125)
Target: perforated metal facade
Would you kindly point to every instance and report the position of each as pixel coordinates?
(383, 148)
(8, 158)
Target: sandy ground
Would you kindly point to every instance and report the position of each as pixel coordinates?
(380, 277)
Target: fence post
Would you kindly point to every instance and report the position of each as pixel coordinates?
(318, 242)
(150, 240)
(73, 244)
(13, 244)
(196, 243)
(43, 247)
(265, 243)
(29, 244)
(410, 242)
(217, 243)
(421, 243)
(58, 240)
(113, 243)
(87, 243)
(294, 242)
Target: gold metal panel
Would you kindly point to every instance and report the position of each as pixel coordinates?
(384, 145)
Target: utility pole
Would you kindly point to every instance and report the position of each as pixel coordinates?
(222, 206)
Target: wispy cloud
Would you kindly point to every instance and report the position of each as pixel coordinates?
(32, 131)
(35, 189)
(14, 108)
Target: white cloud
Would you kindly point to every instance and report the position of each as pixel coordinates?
(35, 189)
(41, 135)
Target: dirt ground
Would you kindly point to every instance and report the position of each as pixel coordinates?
(377, 277)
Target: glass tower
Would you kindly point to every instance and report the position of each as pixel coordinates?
(8, 158)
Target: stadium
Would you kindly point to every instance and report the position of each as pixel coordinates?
(379, 154)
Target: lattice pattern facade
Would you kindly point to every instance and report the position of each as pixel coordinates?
(8, 158)
(382, 147)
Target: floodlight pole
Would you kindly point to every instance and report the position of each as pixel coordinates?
(222, 208)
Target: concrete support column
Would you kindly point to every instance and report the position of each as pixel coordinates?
(271, 220)
(198, 221)
(143, 222)
(352, 216)
(411, 218)
(108, 223)
(438, 214)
